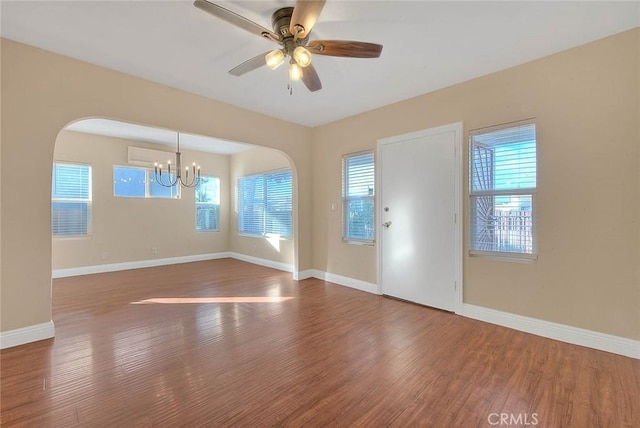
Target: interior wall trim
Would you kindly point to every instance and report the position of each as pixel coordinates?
(561, 332)
(21, 336)
(113, 267)
(262, 262)
(304, 274)
(564, 333)
(358, 284)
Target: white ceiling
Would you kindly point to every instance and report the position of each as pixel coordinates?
(428, 45)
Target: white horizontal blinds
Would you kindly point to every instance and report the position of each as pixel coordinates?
(279, 203)
(265, 204)
(504, 159)
(358, 197)
(251, 204)
(503, 172)
(207, 196)
(71, 199)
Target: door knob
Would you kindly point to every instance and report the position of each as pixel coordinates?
(386, 224)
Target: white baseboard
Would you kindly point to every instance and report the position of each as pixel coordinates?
(344, 280)
(23, 335)
(551, 330)
(113, 267)
(304, 274)
(262, 262)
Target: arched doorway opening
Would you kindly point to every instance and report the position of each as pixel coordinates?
(130, 225)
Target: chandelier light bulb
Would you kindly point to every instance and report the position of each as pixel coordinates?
(274, 59)
(302, 56)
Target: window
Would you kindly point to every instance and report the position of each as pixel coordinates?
(265, 204)
(502, 188)
(129, 182)
(208, 204)
(358, 198)
(71, 200)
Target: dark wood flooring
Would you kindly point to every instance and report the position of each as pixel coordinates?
(226, 343)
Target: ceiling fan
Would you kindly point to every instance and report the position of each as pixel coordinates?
(291, 29)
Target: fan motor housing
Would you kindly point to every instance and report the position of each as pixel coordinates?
(280, 21)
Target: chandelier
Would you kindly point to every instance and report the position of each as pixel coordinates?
(177, 180)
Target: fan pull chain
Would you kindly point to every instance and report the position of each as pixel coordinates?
(290, 87)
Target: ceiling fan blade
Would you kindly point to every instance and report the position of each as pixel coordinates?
(311, 79)
(235, 19)
(305, 14)
(345, 48)
(249, 65)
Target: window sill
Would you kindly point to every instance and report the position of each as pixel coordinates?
(505, 257)
(70, 237)
(267, 236)
(362, 243)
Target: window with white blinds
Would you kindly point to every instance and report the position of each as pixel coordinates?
(358, 197)
(502, 188)
(71, 200)
(207, 198)
(265, 204)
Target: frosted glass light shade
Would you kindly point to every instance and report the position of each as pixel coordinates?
(302, 56)
(274, 59)
(295, 71)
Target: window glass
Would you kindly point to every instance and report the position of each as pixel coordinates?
(265, 204)
(129, 182)
(207, 198)
(71, 200)
(156, 190)
(503, 174)
(358, 197)
(135, 182)
(278, 203)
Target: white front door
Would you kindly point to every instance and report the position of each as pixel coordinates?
(420, 254)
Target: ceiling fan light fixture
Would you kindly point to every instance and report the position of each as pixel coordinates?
(295, 71)
(302, 56)
(274, 59)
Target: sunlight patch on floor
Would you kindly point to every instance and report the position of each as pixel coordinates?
(236, 299)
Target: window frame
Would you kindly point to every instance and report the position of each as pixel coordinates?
(346, 199)
(147, 184)
(515, 191)
(239, 199)
(88, 201)
(213, 204)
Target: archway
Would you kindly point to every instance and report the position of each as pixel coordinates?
(128, 224)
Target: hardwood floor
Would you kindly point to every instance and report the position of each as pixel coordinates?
(226, 343)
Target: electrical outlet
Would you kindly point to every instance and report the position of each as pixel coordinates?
(154, 250)
(104, 255)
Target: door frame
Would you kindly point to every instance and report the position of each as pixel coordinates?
(457, 129)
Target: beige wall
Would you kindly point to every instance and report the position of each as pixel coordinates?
(249, 162)
(586, 103)
(126, 229)
(41, 93)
